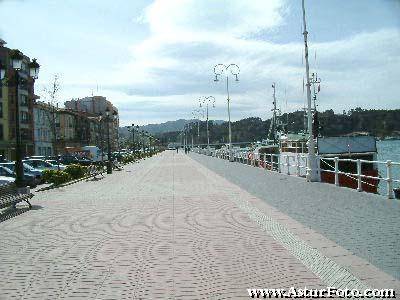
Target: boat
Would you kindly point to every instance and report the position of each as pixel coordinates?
(348, 149)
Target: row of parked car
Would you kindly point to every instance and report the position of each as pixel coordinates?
(34, 167)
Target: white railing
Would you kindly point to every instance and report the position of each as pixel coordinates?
(296, 164)
(359, 176)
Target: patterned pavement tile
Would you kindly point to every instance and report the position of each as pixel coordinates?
(164, 228)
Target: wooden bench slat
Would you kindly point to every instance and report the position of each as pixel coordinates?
(9, 195)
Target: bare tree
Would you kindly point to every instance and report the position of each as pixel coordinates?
(51, 93)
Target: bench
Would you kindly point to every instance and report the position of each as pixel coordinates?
(94, 170)
(9, 195)
(117, 166)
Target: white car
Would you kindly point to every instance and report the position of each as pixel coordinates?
(41, 164)
(5, 180)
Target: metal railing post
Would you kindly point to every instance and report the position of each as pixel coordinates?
(265, 160)
(279, 163)
(389, 179)
(288, 164)
(336, 171)
(359, 183)
(271, 162)
(298, 164)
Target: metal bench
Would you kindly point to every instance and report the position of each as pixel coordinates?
(95, 170)
(11, 195)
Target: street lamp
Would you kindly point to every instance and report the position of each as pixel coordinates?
(109, 163)
(101, 135)
(232, 70)
(16, 63)
(197, 114)
(206, 101)
(132, 129)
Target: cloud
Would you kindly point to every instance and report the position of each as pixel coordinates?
(161, 75)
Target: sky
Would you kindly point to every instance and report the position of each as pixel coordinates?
(154, 59)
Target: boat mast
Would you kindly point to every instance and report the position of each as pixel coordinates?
(273, 126)
(311, 161)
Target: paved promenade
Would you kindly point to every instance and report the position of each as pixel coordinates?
(365, 224)
(167, 228)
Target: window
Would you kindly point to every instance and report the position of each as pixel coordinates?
(1, 108)
(1, 132)
(24, 100)
(24, 117)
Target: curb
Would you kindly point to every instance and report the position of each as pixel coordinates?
(51, 187)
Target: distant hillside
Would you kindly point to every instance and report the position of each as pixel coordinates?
(379, 123)
(169, 126)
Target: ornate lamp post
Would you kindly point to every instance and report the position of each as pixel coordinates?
(109, 162)
(229, 70)
(197, 114)
(205, 101)
(132, 129)
(16, 63)
(101, 135)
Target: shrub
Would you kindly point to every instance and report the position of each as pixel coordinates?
(76, 171)
(56, 177)
(128, 159)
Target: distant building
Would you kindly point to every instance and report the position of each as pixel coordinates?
(96, 107)
(7, 107)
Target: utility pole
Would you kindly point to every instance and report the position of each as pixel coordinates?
(311, 161)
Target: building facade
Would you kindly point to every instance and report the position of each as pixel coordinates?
(96, 106)
(44, 131)
(8, 103)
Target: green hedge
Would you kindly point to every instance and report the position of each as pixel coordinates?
(76, 171)
(56, 177)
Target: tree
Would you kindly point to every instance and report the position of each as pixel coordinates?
(51, 94)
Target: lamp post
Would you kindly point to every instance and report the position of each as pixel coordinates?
(132, 129)
(206, 101)
(191, 132)
(197, 114)
(228, 70)
(101, 136)
(109, 163)
(16, 63)
(143, 143)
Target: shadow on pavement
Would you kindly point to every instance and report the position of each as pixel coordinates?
(12, 212)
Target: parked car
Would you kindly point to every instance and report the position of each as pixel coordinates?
(35, 157)
(29, 179)
(71, 159)
(27, 170)
(6, 180)
(41, 164)
(54, 162)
